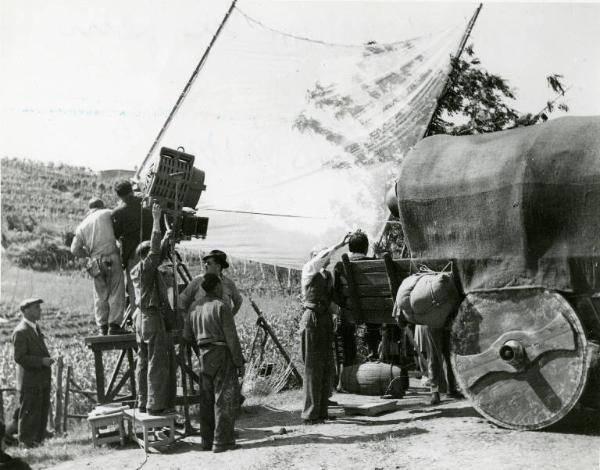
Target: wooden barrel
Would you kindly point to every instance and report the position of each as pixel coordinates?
(370, 378)
(521, 356)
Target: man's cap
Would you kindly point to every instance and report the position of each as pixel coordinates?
(219, 256)
(31, 301)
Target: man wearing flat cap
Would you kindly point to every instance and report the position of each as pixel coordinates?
(214, 263)
(95, 238)
(33, 374)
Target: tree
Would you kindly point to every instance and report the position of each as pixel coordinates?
(476, 101)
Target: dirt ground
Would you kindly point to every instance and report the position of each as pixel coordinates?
(416, 436)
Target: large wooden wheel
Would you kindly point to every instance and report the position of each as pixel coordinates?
(520, 356)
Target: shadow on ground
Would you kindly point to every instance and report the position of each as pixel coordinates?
(319, 438)
(584, 422)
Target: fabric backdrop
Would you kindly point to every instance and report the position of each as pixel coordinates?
(299, 138)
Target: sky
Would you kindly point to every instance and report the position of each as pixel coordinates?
(90, 83)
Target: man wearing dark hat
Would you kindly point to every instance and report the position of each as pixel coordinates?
(214, 263)
(212, 327)
(95, 238)
(33, 374)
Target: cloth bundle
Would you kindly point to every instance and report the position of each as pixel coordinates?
(427, 298)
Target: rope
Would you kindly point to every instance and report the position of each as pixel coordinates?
(295, 216)
(318, 41)
(186, 89)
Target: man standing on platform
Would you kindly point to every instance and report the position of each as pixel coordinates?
(211, 326)
(132, 225)
(95, 238)
(156, 369)
(316, 330)
(33, 374)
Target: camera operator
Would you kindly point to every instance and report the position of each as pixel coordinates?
(132, 225)
(156, 369)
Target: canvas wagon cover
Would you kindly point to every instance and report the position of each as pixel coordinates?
(513, 208)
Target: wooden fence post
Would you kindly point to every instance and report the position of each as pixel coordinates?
(58, 396)
(2, 405)
(66, 404)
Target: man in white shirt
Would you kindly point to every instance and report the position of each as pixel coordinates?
(95, 238)
(316, 329)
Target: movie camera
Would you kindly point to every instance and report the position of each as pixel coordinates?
(174, 183)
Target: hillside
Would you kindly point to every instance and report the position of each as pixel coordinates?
(37, 194)
(41, 203)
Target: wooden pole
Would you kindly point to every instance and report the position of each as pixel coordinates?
(427, 132)
(2, 405)
(66, 404)
(265, 326)
(58, 397)
(99, 368)
(459, 52)
(186, 89)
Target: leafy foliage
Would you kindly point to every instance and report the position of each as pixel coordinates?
(476, 101)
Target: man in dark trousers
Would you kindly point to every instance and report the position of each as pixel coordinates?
(316, 330)
(156, 369)
(130, 220)
(33, 374)
(358, 246)
(211, 326)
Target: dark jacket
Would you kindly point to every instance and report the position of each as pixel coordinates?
(339, 278)
(319, 293)
(211, 322)
(127, 218)
(29, 349)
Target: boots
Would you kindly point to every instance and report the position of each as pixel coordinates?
(115, 329)
(435, 398)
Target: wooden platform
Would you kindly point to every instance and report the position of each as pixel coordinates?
(127, 345)
(371, 409)
(149, 425)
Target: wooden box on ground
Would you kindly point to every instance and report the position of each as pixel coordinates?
(107, 428)
(149, 424)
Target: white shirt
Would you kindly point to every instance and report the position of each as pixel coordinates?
(31, 324)
(96, 234)
(314, 266)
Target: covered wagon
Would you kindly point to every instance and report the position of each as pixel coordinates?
(517, 213)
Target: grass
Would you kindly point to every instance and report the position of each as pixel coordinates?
(77, 443)
(68, 317)
(34, 226)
